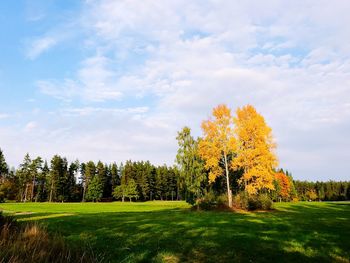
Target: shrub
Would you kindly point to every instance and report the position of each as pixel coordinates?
(222, 200)
(207, 202)
(240, 201)
(265, 202)
(255, 202)
(262, 201)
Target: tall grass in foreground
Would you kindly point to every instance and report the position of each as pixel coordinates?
(30, 242)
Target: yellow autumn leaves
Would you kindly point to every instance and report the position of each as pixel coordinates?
(243, 142)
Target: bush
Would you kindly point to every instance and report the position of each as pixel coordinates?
(255, 202)
(240, 201)
(262, 201)
(265, 202)
(207, 202)
(222, 200)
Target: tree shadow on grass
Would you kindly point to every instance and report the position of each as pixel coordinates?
(301, 233)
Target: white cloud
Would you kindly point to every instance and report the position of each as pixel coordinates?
(92, 110)
(94, 82)
(289, 60)
(39, 46)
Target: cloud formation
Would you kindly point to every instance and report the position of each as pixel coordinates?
(166, 64)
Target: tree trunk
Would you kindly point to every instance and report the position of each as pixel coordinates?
(229, 193)
(32, 194)
(26, 193)
(50, 199)
(84, 190)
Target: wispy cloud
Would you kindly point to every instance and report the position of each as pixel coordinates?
(94, 82)
(4, 115)
(39, 46)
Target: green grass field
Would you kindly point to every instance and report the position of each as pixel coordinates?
(171, 232)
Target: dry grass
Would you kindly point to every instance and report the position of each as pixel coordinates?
(31, 243)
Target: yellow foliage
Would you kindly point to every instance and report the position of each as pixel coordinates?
(255, 150)
(218, 141)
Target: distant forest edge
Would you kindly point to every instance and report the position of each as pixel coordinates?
(233, 164)
(62, 181)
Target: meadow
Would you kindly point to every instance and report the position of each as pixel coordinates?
(161, 231)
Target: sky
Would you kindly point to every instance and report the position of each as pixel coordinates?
(115, 80)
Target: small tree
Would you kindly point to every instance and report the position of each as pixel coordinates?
(120, 192)
(95, 190)
(311, 194)
(128, 190)
(282, 186)
(132, 190)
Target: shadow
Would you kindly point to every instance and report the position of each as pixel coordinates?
(302, 232)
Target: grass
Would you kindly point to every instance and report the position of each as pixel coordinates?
(30, 242)
(171, 232)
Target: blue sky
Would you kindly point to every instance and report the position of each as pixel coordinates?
(115, 80)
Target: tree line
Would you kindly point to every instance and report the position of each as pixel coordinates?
(323, 191)
(60, 181)
(36, 180)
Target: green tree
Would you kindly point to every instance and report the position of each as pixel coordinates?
(132, 190)
(102, 173)
(95, 190)
(191, 167)
(89, 173)
(115, 179)
(42, 183)
(24, 174)
(3, 166)
(120, 192)
(58, 179)
(71, 181)
(35, 170)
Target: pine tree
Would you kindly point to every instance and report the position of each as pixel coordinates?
(42, 183)
(101, 172)
(23, 174)
(35, 170)
(89, 173)
(95, 189)
(58, 179)
(71, 180)
(3, 166)
(115, 179)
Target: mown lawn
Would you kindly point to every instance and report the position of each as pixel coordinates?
(171, 232)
